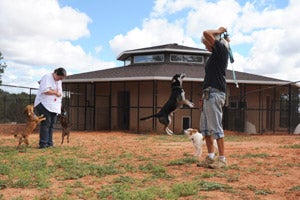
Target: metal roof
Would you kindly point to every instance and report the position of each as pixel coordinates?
(174, 48)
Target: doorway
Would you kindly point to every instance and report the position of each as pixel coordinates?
(124, 110)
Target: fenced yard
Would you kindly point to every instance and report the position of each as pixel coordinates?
(281, 114)
(117, 165)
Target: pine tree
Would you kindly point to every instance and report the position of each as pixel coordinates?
(2, 67)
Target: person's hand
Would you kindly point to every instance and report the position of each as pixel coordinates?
(58, 94)
(222, 29)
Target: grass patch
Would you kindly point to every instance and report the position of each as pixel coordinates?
(175, 138)
(295, 188)
(183, 161)
(294, 146)
(122, 172)
(184, 189)
(250, 155)
(212, 186)
(157, 171)
(260, 191)
(238, 138)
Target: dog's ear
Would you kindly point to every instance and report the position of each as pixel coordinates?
(26, 110)
(194, 131)
(175, 77)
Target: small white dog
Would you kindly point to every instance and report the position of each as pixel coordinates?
(198, 140)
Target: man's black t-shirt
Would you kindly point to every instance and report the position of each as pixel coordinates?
(215, 68)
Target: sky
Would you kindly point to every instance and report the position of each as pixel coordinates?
(37, 36)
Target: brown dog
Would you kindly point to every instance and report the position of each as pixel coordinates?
(64, 125)
(32, 122)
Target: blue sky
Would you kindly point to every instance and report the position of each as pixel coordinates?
(109, 19)
(39, 35)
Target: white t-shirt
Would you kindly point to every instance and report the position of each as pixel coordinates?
(51, 102)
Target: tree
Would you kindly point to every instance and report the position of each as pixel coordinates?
(2, 67)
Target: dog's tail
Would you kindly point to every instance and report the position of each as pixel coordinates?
(144, 118)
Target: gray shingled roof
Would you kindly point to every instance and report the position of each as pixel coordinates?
(163, 72)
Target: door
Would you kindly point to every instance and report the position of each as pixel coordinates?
(124, 110)
(102, 115)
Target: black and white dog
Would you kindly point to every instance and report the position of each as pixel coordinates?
(176, 100)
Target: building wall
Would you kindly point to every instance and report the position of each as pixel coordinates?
(120, 105)
(102, 106)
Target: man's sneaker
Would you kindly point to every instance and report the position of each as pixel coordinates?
(206, 162)
(218, 164)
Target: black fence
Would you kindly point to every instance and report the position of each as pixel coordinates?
(277, 114)
(12, 103)
(273, 109)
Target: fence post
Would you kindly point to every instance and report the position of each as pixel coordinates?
(290, 108)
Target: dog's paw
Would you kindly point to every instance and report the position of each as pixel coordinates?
(170, 133)
(191, 105)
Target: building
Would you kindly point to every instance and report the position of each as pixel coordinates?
(115, 99)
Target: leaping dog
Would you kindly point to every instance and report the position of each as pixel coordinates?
(176, 100)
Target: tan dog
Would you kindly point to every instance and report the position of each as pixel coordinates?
(64, 125)
(198, 140)
(32, 122)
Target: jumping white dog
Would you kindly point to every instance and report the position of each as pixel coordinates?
(198, 140)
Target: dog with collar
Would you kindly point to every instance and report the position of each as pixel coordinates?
(176, 100)
(198, 140)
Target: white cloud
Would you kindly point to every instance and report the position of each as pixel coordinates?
(154, 32)
(98, 49)
(45, 18)
(38, 34)
(275, 51)
(165, 7)
(271, 34)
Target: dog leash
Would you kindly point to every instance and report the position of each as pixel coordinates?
(231, 63)
(230, 55)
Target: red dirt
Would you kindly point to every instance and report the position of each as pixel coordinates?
(277, 172)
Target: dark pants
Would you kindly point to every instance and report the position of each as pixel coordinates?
(46, 127)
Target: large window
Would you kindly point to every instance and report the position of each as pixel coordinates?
(149, 58)
(186, 58)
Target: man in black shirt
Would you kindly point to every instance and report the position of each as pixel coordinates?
(214, 95)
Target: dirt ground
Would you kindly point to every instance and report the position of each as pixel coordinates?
(259, 166)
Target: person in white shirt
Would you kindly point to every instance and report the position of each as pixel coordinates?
(48, 103)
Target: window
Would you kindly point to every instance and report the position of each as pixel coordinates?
(149, 58)
(186, 58)
(127, 62)
(233, 102)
